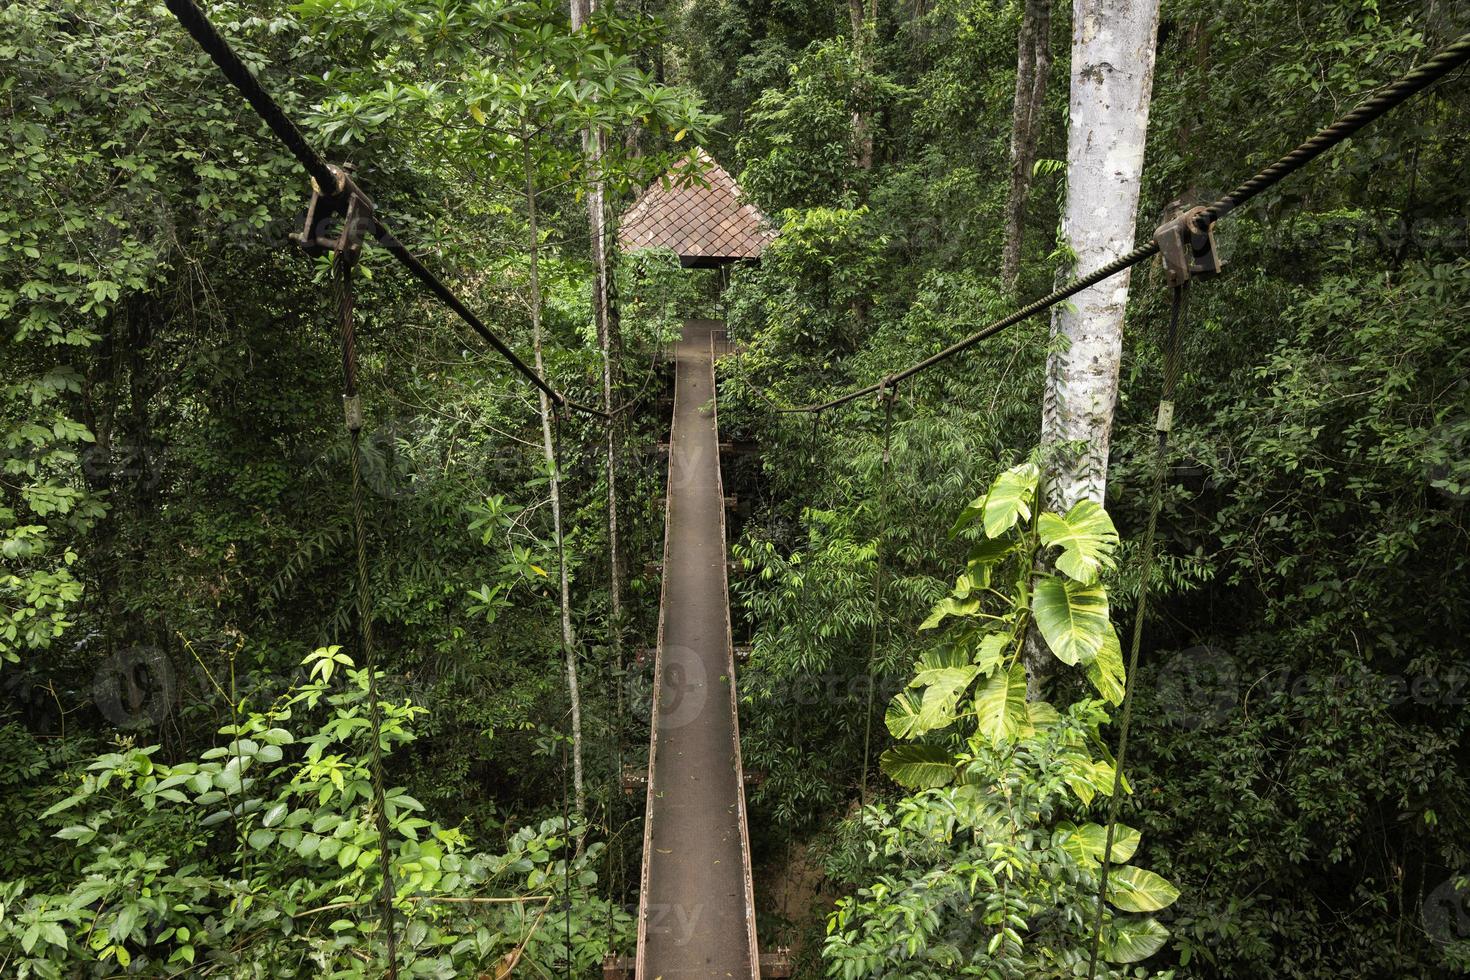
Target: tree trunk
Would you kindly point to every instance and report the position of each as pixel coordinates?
(594, 146)
(1112, 76)
(864, 17)
(549, 448)
(1033, 67)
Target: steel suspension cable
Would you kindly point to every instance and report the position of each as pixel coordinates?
(352, 405)
(1162, 424)
(1406, 87)
(329, 182)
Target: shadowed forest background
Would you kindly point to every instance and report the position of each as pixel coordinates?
(182, 765)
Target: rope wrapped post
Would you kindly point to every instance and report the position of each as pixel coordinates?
(356, 211)
(1163, 422)
(566, 820)
(887, 394)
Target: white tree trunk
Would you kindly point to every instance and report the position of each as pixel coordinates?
(1112, 78)
(594, 146)
(549, 449)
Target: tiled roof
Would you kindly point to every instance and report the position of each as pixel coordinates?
(697, 222)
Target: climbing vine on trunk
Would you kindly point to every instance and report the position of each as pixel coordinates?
(986, 864)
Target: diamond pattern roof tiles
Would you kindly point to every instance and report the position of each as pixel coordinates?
(697, 222)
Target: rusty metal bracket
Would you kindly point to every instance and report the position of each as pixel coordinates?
(1187, 247)
(337, 220)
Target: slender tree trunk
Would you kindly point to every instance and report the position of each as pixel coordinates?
(594, 146)
(1033, 67)
(548, 445)
(1112, 78)
(864, 16)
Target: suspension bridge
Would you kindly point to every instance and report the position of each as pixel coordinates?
(696, 906)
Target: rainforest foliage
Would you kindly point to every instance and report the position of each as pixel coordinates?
(185, 766)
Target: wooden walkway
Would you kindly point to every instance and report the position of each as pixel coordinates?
(696, 909)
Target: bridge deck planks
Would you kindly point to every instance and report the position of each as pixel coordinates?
(696, 917)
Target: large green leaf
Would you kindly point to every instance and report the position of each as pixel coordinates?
(935, 664)
(949, 606)
(937, 711)
(1086, 536)
(1087, 777)
(1072, 617)
(944, 674)
(1086, 843)
(973, 511)
(918, 766)
(902, 717)
(988, 654)
(1136, 890)
(984, 556)
(1041, 714)
(1131, 940)
(1010, 498)
(1106, 670)
(1000, 704)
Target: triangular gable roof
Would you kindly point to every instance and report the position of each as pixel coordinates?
(703, 225)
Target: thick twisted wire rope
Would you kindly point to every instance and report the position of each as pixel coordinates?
(1390, 97)
(329, 182)
(1150, 536)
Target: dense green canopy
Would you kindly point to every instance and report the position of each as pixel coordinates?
(183, 764)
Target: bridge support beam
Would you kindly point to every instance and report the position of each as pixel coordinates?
(776, 963)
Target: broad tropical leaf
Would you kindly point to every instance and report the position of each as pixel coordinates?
(937, 709)
(1136, 890)
(950, 606)
(973, 511)
(1000, 704)
(984, 557)
(992, 647)
(934, 665)
(1087, 777)
(1086, 843)
(944, 674)
(902, 716)
(1131, 940)
(1010, 498)
(1086, 536)
(1072, 617)
(1106, 671)
(1041, 714)
(918, 766)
